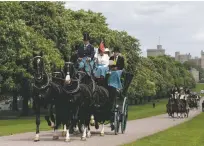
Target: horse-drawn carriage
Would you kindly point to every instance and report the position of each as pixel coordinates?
(193, 100)
(78, 98)
(115, 105)
(178, 104)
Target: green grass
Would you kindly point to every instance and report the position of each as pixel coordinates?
(187, 134)
(8, 127)
(199, 87)
(143, 111)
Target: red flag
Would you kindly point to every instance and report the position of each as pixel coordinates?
(102, 47)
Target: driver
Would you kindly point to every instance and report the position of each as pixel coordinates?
(86, 53)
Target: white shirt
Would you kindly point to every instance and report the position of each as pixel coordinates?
(104, 60)
(96, 53)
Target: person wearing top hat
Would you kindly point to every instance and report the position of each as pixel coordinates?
(86, 55)
(87, 50)
(118, 59)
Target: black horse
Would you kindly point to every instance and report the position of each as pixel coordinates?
(42, 87)
(72, 104)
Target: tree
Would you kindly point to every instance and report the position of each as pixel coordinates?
(28, 27)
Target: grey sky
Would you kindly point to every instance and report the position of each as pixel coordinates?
(179, 24)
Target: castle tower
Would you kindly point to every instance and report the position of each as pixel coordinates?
(202, 59)
(177, 56)
(159, 47)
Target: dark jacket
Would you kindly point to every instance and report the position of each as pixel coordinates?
(86, 52)
(120, 64)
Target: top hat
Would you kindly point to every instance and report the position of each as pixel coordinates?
(86, 36)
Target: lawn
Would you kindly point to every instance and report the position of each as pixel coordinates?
(199, 87)
(187, 134)
(143, 111)
(8, 127)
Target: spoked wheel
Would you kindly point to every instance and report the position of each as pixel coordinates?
(116, 122)
(124, 115)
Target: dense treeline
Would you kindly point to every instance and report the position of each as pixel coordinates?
(28, 27)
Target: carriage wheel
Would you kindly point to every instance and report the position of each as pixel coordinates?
(124, 115)
(116, 122)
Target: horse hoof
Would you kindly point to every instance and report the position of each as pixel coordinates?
(36, 139)
(63, 133)
(67, 140)
(102, 134)
(83, 138)
(88, 135)
(55, 137)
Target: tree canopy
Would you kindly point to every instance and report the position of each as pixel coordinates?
(28, 27)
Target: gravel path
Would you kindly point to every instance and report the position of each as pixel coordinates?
(135, 129)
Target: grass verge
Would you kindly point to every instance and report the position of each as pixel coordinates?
(146, 110)
(189, 133)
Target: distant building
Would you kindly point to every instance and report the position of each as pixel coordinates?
(156, 52)
(182, 57)
(202, 59)
(187, 57)
(196, 61)
(195, 74)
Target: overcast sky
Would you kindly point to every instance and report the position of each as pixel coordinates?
(180, 25)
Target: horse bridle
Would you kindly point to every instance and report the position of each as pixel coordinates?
(48, 79)
(37, 69)
(77, 80)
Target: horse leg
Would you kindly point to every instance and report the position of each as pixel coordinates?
(87, 123)
(55, 134)
(37, 136)
(52, 120)
(102, 130)
(88, 131)
(67, 139)
(76, 128)
(64, 130)
(83, 137)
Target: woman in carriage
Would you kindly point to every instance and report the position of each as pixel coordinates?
(102, 61)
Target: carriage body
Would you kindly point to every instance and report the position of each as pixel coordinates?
(121, 104)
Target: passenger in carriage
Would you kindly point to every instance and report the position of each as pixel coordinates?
(102, 61)
(118, 59)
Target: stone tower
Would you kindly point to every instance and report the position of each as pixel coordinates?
(202, 59)
(177, 56)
